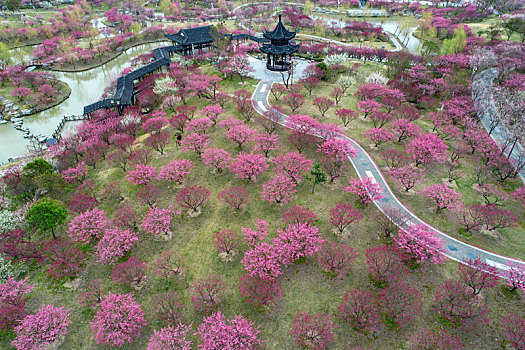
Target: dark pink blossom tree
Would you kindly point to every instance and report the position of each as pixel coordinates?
(359, 311)
(195, 142)
(404, 129)
(443, 196)
(293, 101)
(126, 218)
(118, 321)
(235, 197)
(206, 293)
(366, 189)
(421, 243)
(114, 244)
(141, 175)
(192, 197)
(130, 272)
(278, 190)
(217, 159)
(346, 115)
(217, 332)
(478, 275)
(169, 265)
(263, 260)
(176, 171)
(260, 292)
(335, 258)
(323, 104)
(313, 331)
(294, 165)
(427, 340)
(249, 165)
(91, 293)
(167, 307)
(344, 214)
(13, 297)
(213, 112)
(240, 134)
(408, 176)
(400, 305)
(226, 243)
(157, 221)
(88, 226)
(515, 275)
(171, 338)
(427, 149)
(384, 265)
(253, 237)
(298, 241)
(297, 215)
(514, 331)
(265, 143)
(379, 136)
(47, 326)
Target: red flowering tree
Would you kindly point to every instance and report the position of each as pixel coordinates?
(421, 243)
(263, 260)
(169, 265)
(427, 340)
(298, 241)
(205, 294)
(91, 293)
(235, 197)
(293, 164)
(443, 196)
(478, 275)
(217, 332)
(118, 321)
(259, 291)
(346, 115)
(226, 243)
(323, 104)
(66, 261)
(278, 190)
(149, 194)
(297, 215)
(177, 170)
(336, 153)
(192, 197)
(217, 159)
(427, 149)
(400, 305)
(80, 202)
(141, 175)
(344, 214)
(335, 258)
(366, 189)
(456, 306)
(313, 331)
(158, 141)
(88, 226)
(47, 326)
(384, 265)
(359, 311)
(514, 331)
(13, 297)
(171, 338)
(253, 237)
(157, 221)
(167, 307)
(126, 218)
(294, 101)
(131, 272)
(115, 243)
(249, 165)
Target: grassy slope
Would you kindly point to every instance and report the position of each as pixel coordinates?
(303, 285)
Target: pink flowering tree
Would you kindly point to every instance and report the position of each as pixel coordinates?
(265, 143)
(130, 272)
(400, 305)
(226, 243)
(157, 221)
(260, 292)
(91, 293)
(346, 115)
(313, 331)
(141, 175)
(335, 258)
(408, 176)
(77, 174)
(278, 190)
(293, 101)
(298, 241)
(515, 276)
(359, 311)
(443, 196)
(298, 215)
(367, 190)
(235, 197)
(195, 142)
(167, 307)
(294, 165)
(159, 141)
(425, 340)
(114, 244)
(217, 159)
(206, 293)
(176, 171)
(199, 125)
(336, 153)
(263, 260)
(253, 237)
(217, 332)
(13, 297)
(323, 104)
(240, 134)
(514, 331)
(379, 136)
(404, 129)
(384, 265)
(213, 112)
(88, 226)
(118, 321)
(478, 275)
(169, 265)
(344, 214)
(47, 326)
(270, 120)
(421, 243)
(126, 218)
(171, 338)
(456, 306)
(192, 198)
(519, 195)
(427, 149)
(249, 165)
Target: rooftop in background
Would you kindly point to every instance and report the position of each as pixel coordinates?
(279, 32)
(189, 36)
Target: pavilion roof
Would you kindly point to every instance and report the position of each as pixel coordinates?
(188, 36)
(279, 32)
(279, 50)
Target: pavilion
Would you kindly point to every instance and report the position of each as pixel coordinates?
(279, 51)
(192, 39)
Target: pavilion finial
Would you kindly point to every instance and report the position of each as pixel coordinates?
(279, 17)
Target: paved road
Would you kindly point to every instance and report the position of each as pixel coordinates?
(482, 95)
(366, 167)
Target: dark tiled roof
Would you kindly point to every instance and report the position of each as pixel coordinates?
(248, 36)
(279, 50)
(279, 32)
(197, 35)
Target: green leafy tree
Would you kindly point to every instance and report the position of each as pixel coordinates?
(456, 44)
(46, 215)
(317, 176)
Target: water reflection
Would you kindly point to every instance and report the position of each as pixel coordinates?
(86, 87)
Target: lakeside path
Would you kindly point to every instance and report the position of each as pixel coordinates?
(366, 167)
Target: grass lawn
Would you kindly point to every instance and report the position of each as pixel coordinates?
(508, 241)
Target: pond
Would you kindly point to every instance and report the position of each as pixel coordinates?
(86, 87)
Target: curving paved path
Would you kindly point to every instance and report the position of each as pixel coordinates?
(366, 167)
